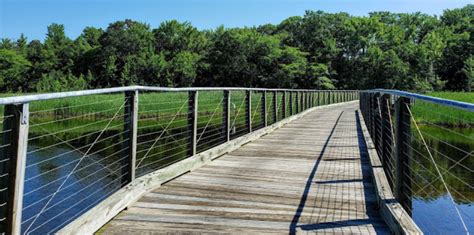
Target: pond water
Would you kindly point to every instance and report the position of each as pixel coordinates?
(53, 195)
(432, 208)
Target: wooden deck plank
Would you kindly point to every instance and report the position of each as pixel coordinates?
(309, 176)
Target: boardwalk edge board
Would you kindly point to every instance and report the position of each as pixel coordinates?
(397, 219)
(98, 216)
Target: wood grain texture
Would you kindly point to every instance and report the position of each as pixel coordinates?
(309, 176)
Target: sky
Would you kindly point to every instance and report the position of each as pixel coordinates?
(31, 17)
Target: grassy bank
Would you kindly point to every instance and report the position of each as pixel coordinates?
(434, 114)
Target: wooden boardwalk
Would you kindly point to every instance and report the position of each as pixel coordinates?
(311, 176)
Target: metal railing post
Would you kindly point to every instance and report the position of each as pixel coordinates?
(264, 108)
(303, 95)
(275, 106)
(308, 99)
(385, 130)
(377, 129)
(291, 103)
(192, 121)
(248, 110)
(226, 115)
(318, 102)
(372, 115)
(297, 102)
(17, 121)
(283, 105)
(302, 101)
(402, 153)
(130, 127)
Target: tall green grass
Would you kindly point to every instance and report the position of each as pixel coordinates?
(435, 114)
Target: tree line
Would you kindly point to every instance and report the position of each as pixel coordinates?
(416, 52)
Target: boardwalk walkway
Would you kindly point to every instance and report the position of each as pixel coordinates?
(312, 175)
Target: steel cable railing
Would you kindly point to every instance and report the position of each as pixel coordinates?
(426, 147)
(64, 153)
(74, 151)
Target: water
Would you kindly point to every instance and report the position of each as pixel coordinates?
(432, 208)
(53, 196)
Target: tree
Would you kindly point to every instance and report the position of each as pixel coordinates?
(415, 51)
(469, 73)
(125, 55)
(13, 68)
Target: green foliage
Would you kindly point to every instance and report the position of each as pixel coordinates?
(468, 70)
(57, 81)
(13, 68)
(415, 52)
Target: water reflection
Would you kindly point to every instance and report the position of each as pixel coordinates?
(433, 210)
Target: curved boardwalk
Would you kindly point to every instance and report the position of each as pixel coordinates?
(310, 176)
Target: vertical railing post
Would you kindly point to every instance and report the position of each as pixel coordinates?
(372, 115)
(192, 121)
(302, 101)
(308, 100)
(275, 106)
(291, 103)
(402, 153)
(17, 121)
(131, 127)
(385, 130)
(303, 95)
(377, 127)
(297, 102)
(226, 115)
(248, 110)
(283, 105)
(264, 108)
(318, 102)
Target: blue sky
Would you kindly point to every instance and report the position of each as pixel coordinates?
(32, 16)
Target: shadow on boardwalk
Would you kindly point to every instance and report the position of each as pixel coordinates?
(310, 176)
(366, 177)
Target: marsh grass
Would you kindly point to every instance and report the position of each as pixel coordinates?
(427, 113)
